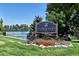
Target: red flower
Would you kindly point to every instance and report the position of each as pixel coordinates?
(46, 43)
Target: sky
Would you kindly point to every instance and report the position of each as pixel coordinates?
(21, 13)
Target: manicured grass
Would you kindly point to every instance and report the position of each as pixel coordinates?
(17, 47)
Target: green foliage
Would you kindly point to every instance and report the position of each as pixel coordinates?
(65, 14)
(56, 17)
(22, 27)
(37, 19)
(1, 25)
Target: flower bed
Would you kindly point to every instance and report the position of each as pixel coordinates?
(46, 43)
(50, 43)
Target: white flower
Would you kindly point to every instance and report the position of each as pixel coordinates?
(64, 46)
(42, 46)
(55, 46)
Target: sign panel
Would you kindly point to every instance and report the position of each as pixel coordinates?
(46, 27)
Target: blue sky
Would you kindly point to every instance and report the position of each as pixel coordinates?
(21, 13)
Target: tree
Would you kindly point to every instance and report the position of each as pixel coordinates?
(1, 24)
(16, 27)
(24, 27)
(37, 19)
(64, 14)
(6, 27)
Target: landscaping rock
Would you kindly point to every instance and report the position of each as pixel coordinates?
(42, 46)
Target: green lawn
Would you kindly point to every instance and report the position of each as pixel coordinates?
(16, 47)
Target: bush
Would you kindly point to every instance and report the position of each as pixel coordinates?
(4, 33)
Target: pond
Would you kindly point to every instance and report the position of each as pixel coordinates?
(17, 34)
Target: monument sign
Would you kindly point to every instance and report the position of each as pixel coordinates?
(47, 27)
